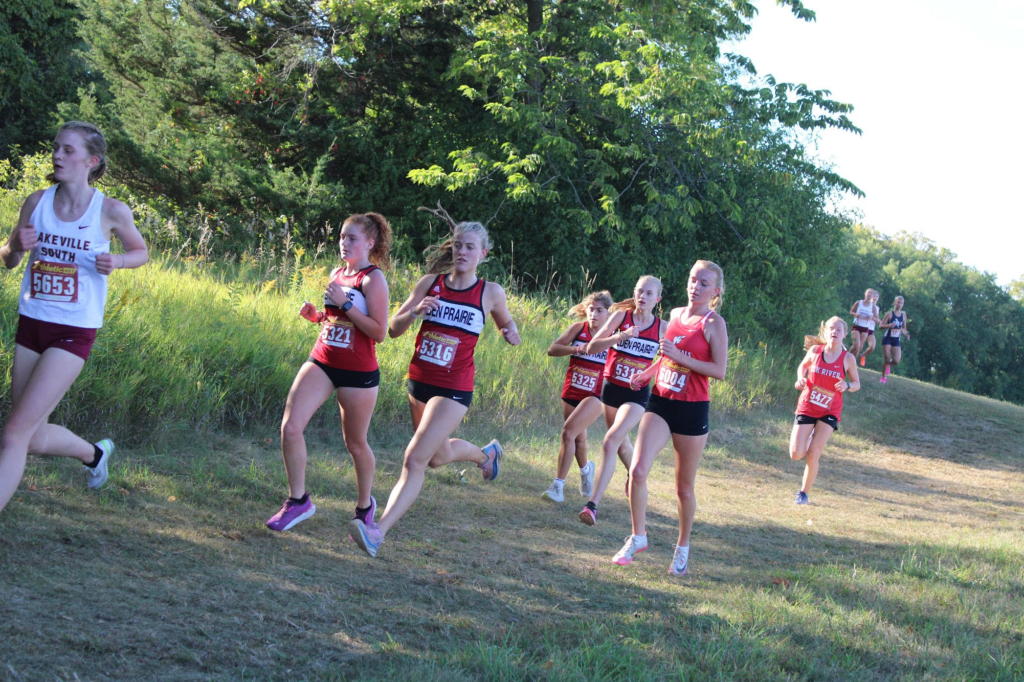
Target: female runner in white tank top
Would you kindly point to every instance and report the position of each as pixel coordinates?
(865, 317)
(66, 231)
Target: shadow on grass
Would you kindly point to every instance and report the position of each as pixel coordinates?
(144, 587)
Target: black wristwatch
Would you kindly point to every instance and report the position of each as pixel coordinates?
(345, 308)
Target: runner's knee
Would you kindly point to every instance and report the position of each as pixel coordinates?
(684, 491)
(291, 429)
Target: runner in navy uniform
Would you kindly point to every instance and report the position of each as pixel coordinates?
(826, 373)
(454, 308)
(631, 337)
(581, 402)
(66, 232)
(343, 362)
(895, 325)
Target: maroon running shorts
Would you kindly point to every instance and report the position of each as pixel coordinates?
(37, 336)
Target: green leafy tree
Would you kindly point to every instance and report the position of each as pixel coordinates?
(40, 67)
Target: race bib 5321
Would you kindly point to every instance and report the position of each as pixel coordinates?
(337, 334)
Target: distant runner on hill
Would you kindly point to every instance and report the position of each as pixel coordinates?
(694, 349)
(454, 308)
(631, 336)
(581, 402)
(827, 371)
(895, 325)
(865, 316)
(66, 232)
(343, 362)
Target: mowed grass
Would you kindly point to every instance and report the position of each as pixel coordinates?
(907, 564)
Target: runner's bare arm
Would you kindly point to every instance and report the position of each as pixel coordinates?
(414, 307)
(375, 323)
(117, 220)
(496, 303)
(562, 345)
(801, 370)
(852, 385)
(886, 323)
(718, 338)
(24, 236)
(606, 337)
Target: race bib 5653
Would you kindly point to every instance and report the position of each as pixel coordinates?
(54, 281)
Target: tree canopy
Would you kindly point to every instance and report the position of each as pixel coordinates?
(599, 140)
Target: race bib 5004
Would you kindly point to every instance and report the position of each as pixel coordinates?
(54, 281)
(438, 349)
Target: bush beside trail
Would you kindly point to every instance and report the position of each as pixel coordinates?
(189, 345)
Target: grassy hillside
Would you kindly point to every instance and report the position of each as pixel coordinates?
(908, 562)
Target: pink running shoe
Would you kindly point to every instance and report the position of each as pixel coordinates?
(680, 561)
(367, 536)
(588, 516)
(632, 547)
(291, 514)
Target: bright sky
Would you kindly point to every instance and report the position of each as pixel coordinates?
(937, 90)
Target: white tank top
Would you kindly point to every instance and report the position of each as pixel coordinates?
(865, 310)
(61, 284)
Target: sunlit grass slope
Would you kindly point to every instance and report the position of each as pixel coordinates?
(908, 563)
(188, 345)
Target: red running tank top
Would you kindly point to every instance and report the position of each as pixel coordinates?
(634, 355)
(820, 398)
(341, 344)
(675, 382)
(447, 338)
(585, 374)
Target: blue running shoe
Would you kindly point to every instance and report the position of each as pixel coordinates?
(494, 452)
(367, 536)
(801, 498)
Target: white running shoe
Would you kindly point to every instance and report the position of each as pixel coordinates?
(680, 561)
(97, 476)
(633, 546)
(553, 493)
(587, 479)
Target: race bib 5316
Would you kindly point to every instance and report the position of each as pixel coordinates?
(54, 281)
(438, 349)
